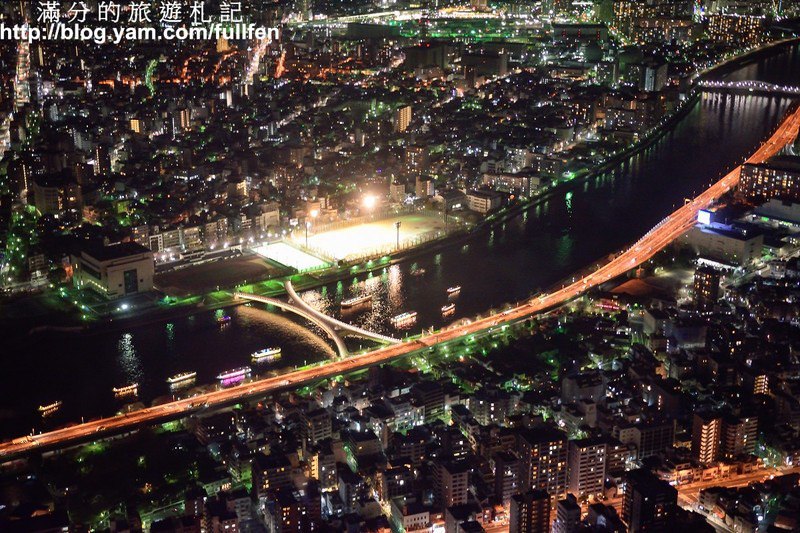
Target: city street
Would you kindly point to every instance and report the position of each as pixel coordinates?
(688, 494)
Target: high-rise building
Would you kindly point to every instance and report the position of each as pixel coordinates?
(22, 88)
(397, 192)
(706, 430)
(761, 383)
(424, 187)
(395, 480)
(568, 515)
(57, 192)
(739, 30)
(452, 483)
(778, 177)
(738, 436)
(587, 466)
(530, 512)
(322, 460)
(317, 425)
(618, 456)
(652, 438)
(653, 75)
(431, 395)
(584, 386)
(543, 452)
(415, 158)
(184, 117)
(287, 512)
(402, 118)
(271, 473)
(706, 288)
(507, 473)
(649, 503)
(137, 125)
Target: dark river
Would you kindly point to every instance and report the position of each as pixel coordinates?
(528, 253)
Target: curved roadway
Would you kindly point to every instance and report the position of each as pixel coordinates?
(299, 310)
(344, 326)
(656, 239)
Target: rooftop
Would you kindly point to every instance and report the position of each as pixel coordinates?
(114, 251)
(782, 162)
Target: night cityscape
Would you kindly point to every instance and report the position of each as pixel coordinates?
(400, 266)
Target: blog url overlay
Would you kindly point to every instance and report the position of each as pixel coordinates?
(62, 31)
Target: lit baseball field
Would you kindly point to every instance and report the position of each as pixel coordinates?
(374, 238)
(287, 255)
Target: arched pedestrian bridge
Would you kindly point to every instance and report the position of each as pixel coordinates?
(331, 326)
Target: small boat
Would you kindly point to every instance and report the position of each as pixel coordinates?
(404, 319)
(49, 409)
(267, 355)
(451, 291)
(126, 390)
(223, 320)
(182, 379)
(448, 309)
(235, 375)
(356, 302)
(418, 272)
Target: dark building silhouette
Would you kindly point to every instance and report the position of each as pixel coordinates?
(649, 503)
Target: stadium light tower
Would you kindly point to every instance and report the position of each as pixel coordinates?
(397, 225)
(313, 214)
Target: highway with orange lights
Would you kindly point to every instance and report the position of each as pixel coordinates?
(654, 241)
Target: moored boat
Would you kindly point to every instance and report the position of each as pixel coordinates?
(50, 408)
(267, 355)
(358, 301)
(404, 319)
(182, 379)
(126, 390)
(236, 374)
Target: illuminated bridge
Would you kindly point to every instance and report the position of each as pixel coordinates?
(329, 325)
(748, 86)
(334, 323)
(453, 12)
(337, 340)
